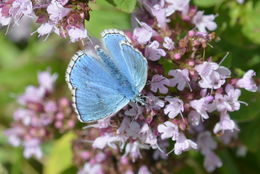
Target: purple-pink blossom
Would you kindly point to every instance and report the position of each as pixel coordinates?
(247, 81)
(174, 107)
(183, 144)
(180, 78)
(168, 130)
(153, 52)
(158, 83)
(204, 22)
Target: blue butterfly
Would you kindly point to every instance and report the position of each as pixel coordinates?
(105, 81)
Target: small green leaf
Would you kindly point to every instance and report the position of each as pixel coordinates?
(60, 157)
(105, 19)
(125, 5)
(207, 3)
(249, 112)
(249, 134)
(251, 23)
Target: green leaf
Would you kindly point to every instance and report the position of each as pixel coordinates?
(249, 134)
(251, 22)
(125, 5)
(229, 165)
(107, 18)
(60, 157)
(247, 113)
(207, 3)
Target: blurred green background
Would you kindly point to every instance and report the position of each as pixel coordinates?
(21, 59)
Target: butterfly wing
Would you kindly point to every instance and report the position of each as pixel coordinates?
(94, 89)
(137, 65)
(127, 59)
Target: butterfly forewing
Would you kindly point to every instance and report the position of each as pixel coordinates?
(94, 89)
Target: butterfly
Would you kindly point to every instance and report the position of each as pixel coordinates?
(104, 81)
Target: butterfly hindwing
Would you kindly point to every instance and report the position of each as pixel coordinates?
(93, 87)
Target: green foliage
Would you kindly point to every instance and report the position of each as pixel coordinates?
(207, 3)
(251, 22)
(105, 16)
(124, 5)
(60, 157)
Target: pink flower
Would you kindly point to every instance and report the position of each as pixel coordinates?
(143, 34)
(129, 128)
(247, 81)
(168, 130)
(168, 43)
(228, 135)
(194, 118)
(201, 106)
(204, 22)
(153, 52)
(154, 103)
(100, 157)
(91, 169)
(176, 5)
(135, 110)
(227, 102)
(174, 107)
(181, 78)
(32, 148)
(4, 20)
(225, 123)
(107, 140)
(156, 9)
(46, 80)
(206, 142)
(13, 134)
(20, 8)
(46, 28)
(133, 149)
(144, 170)
(158, 82)
(56, 11)
(147, 136)
(24, 115)
(76, 33)
(50, 107)
(212, 75)
(32, 94)
(183, 144)
(211, 161)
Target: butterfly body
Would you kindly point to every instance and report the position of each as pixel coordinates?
(105, 81)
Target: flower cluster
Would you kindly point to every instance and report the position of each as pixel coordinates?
(64, 17)
(189, 97)
(39, 117)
